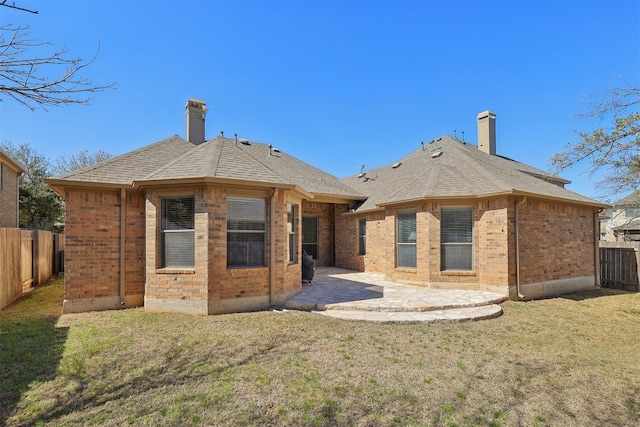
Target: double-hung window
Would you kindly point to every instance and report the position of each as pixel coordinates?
(362, 236)
(292, 231)
(246, 232)
(406, 240)
(456, 234)
(177, 227)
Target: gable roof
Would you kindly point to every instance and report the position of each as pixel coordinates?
(174, 160)
(4, 157)
(448, 168)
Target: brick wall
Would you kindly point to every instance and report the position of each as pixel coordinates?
(326, 221)
(92, 250)
(177, 284)
(556, 241)
(8, 197)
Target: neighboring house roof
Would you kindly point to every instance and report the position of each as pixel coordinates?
(448, 168)
(13, 164)
(633, 224)
(219, 159)
(632, 199)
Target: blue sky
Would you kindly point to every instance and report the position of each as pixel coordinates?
(338, 84)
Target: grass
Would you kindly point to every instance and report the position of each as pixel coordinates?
(569, 361)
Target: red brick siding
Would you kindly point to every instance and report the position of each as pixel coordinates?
(347, 240)
(92, 249)
(556, 241)
(326, 222)
(176, 284)
(134, 244)
(225, 283)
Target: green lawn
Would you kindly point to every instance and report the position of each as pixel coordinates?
(570, 361)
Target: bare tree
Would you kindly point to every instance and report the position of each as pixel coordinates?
(614, 149)
(47, 80)
(80, 160)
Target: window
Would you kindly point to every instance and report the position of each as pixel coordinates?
(310, 235)
(456, 234)
(406, 243)
(246, 229)
(362, 236)
(292, 230)
(177, 226)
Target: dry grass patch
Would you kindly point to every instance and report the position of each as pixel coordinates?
(570, 361)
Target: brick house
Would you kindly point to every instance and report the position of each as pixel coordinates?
(10, 172)
(219, 225)
(195, 226)
(453, 215)
(621, 223)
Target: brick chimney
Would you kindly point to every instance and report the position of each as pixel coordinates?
(196, 110)
(487, 132)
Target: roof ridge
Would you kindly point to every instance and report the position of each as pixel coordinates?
(199, 147)
(174, 161)
(117, 158)
(477, 165)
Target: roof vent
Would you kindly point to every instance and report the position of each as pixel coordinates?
(436, 154)
(396, 165)
(273, 150)
(244, 141)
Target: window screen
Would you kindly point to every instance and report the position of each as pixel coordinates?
(362, 236)
(456, 234)
(310, 235)
(177, 226)
(406, 240)
(246, 229)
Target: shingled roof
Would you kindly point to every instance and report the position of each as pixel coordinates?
(219, 159)
(448, 168)
(632, 199)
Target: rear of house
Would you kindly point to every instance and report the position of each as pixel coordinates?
(453, 215)
(214, 226)
(195, 226)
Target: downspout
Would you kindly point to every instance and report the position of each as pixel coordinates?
(596, 244)
(272, 252)
(520, 203)
(123, 229)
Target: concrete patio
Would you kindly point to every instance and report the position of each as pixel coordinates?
(351, 295)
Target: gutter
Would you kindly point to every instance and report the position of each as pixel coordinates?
(272, 252)
(596, 244)
(123, 229)
(517, 206)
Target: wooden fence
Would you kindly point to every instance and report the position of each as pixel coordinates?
(619, 265)
(27, 259)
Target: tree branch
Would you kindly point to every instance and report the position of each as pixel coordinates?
(25, 78)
